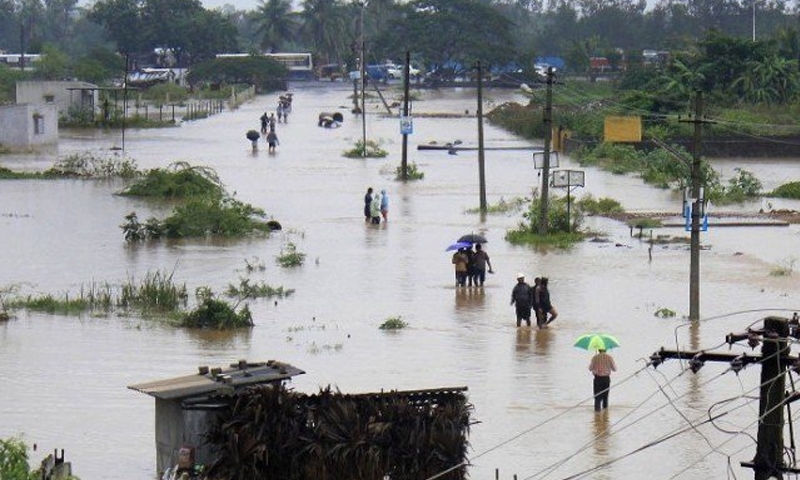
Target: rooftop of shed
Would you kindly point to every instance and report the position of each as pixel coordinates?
(218, 380)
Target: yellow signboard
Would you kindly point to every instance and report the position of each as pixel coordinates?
(623, 129)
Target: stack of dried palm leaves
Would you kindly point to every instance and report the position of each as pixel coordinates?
(275, 434)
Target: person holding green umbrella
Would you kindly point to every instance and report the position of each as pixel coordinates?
(601, 365)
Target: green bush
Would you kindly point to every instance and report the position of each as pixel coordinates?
(372, 150)
(179, 180)
(563, 231)
(225, 217)
(787, 190)
(394, 323)
(14, 460)
(600, 206)
(166, 94)
(414, 173)
(290, 257)
(213, 313)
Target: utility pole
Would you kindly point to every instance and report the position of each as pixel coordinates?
(548, 132)
(697, 211)
(775, 358)
(481, 157)
(22, 45)
(363, 85)
(404, 158)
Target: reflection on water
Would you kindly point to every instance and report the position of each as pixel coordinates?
(544, 337)
(601, 425)
(523, 346)
(469, 298)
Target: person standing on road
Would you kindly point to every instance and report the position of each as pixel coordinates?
(601, 366)
(545, 307)
(460, 262)
(367, 205)
(480, 260)
(272, 140)
(375, 210)
(522, 299)
(385, 205)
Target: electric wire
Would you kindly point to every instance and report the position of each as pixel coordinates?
(643, 417)
(692, 426)
(743, 430)
(547, 420)
(555, 465)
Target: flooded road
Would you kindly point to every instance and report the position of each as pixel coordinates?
(64, 378)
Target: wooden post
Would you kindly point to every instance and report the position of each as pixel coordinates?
(404, 158)
(547, 122)
(481, 159)
(768, 462)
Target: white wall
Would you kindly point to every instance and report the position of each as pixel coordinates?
(18, 126)
(58, 93)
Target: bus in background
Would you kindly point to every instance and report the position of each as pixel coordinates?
(299, 65)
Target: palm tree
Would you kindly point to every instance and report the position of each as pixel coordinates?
(276, 23)
(324, 22)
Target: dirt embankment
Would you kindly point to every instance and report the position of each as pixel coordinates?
(776, 217)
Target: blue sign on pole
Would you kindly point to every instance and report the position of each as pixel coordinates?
(406, 126)
(687, 213)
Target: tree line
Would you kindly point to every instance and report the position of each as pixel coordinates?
(89, 42)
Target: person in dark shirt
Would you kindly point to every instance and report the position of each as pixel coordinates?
(522, 299)
(367, 203)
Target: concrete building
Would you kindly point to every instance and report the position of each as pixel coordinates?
(63, 94)
(186, 406)
(27, 127)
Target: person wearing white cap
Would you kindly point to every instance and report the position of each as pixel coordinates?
(522, 299)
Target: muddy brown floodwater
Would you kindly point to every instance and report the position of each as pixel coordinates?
(64, 379)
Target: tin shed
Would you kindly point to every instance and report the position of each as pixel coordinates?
(186, 406)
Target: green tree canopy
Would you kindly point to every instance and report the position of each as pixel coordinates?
(263, 72)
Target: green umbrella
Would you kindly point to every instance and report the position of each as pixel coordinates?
(596, 341)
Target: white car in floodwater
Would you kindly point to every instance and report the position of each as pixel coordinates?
(396, 71)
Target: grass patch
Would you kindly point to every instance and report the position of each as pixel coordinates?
(246, 289)
(393, 323)
(503, 206)
(785, 269)
(290, 257)
(207, 210)
(370, 150)
(79, 165)
(178, 181)
(214, 313)
(664, 313)
(156, 293)
(561, 240)
(200, 217)
(599, 206)
(97, 299)
(414, 172)
(787, 190)
(644, 223)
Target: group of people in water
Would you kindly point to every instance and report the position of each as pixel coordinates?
(534, 299)
(268, 121)
(376, 206)
(471, 266)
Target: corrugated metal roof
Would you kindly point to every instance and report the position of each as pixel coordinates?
(218, 380)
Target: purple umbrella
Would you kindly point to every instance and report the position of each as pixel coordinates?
(458, 246)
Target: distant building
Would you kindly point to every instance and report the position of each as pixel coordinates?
(187, 405)
(19, 60)
(28, 127)
(65, 95)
